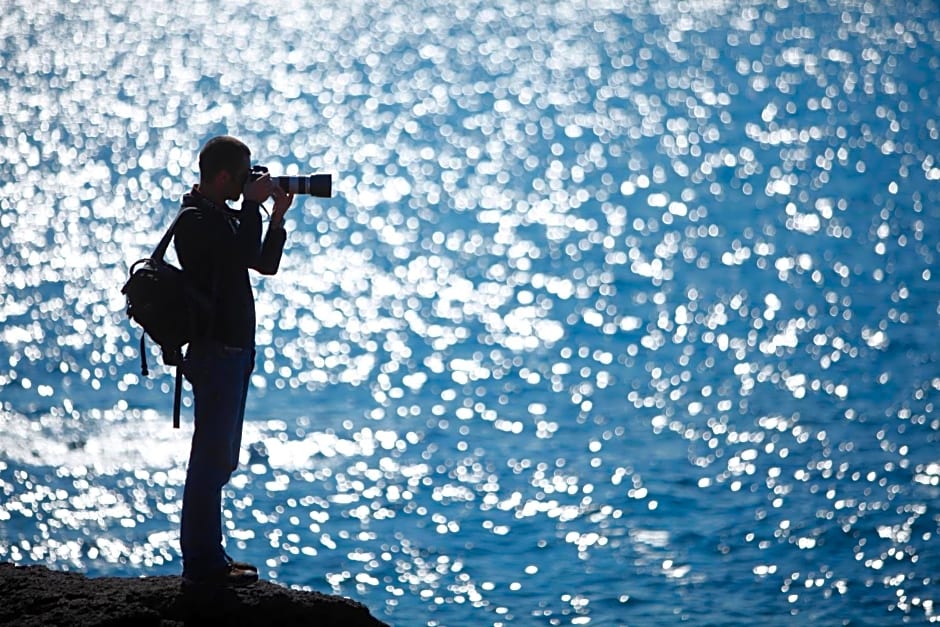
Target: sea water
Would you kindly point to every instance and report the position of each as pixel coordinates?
(623, 313)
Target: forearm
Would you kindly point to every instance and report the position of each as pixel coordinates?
(272, 248)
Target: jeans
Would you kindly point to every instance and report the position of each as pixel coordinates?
(219, 376)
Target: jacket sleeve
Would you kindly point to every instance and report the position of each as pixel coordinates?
(247, 250)
(271, 250)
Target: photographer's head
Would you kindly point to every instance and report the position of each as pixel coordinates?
(224, 163)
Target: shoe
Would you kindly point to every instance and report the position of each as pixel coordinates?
(228, 576)
(239, 565)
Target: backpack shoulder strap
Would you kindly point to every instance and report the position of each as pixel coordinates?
(177, 396)
(160, 251)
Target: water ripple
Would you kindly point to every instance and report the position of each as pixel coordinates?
(618, 307)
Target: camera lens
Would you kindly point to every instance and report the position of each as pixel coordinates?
(320, 185)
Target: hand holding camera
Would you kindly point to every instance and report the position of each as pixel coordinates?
(282, 202)
(261, 185)
(259, 188)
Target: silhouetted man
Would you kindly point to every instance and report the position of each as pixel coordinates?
(216, 247)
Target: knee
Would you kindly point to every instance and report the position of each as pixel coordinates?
(213, 471)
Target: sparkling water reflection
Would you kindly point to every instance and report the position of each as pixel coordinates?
(621, 308)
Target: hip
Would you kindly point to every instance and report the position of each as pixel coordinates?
(211, 360)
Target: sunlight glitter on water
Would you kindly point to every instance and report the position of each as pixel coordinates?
(592, 271)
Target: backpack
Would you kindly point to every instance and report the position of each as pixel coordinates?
(168, 307)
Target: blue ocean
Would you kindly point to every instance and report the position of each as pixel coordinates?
(622, 313)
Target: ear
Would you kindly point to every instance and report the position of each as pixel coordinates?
(221, 177)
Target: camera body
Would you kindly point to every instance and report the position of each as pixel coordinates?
(319, 185)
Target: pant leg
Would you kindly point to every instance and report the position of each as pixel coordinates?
(248, 368)
(219, 392)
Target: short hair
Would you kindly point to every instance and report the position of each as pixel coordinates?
(222, 154)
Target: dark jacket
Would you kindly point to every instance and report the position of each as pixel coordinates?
(216, 246)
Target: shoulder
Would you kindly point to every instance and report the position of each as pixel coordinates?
(187, 218)
(192, 225)
(189, 212)
(198, 218)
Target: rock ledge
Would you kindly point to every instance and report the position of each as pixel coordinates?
(35, 595)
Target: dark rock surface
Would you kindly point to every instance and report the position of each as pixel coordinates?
(35, 595)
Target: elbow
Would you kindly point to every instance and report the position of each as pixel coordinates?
(267, 269)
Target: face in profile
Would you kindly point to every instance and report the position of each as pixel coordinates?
(235, 184)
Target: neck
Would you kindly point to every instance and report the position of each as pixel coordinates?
(212, 194)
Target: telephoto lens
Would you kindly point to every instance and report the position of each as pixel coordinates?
(319, 185)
